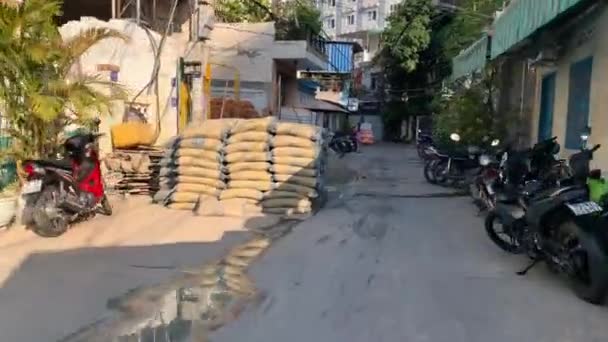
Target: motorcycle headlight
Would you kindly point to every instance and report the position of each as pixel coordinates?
(484, 160)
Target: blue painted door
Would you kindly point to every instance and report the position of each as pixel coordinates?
(578, 101)
(547, 100)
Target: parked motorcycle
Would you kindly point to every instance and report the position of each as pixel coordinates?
(423, 142)
(60, 192)
(343, 144)
(457, 167)
(488, 178)
(558, 225)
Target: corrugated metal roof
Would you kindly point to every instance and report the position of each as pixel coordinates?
(522, 18)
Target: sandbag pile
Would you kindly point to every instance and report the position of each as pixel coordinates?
(298, 157)
(193, 166)
(247, 155)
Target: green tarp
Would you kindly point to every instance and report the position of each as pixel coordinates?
(470, 60)
(522, 18)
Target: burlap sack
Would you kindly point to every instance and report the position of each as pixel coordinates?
(200, 154)
(298, 152)
(197, 162)
(299, 130)
(293, 170)
(309, 163)
(251, 194)
(210, 206)
(249, 137)
(248, 166)
(239, 207)
(167, 171)
(299, 203)
(213, 129)
(241, 157)
(214, 182)
(200, 172)
(274, 194)
(202, 144)
(243, 184)
(306, 181)
(247, 147)
(184, 197)
(197, 188)
(291, 141)
(297, 188)
(257, 125)
(251, 176)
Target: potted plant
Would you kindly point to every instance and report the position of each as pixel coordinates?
(8, 203)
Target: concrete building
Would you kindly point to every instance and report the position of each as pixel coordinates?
(554, 70)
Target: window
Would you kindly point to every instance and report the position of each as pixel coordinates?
(332, 3)
(393, 8)
(579, 92)
(350, 20)
(332, 23)
(372, 83)
(371, 15)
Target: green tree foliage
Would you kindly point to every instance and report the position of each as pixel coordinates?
(467, 25)
(38, 93)
(243, 11)
(297, 19)
(408, 33)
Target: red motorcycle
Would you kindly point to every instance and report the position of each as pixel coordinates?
(61, 192)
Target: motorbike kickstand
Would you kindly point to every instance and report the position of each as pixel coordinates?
(528, 268)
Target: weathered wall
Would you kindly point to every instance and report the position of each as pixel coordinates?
(136, 59)
(246, 48)
(587, 40)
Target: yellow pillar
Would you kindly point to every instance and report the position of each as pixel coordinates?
(207, 90)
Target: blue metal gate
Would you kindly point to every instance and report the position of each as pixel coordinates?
(547, 104)
(578, 101)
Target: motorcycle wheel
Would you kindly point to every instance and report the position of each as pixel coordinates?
(507, 244)
(106, 207)
(45, 225)
(589, 276)
(440, 172)
(429, 171)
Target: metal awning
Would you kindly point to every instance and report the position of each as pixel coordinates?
(471, 59)
(322, 106)
(524, 17)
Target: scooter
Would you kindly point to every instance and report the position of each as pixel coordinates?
(61, 192)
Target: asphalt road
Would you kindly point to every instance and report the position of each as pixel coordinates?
(395, 259)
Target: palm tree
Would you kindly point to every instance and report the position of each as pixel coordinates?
(39, 93)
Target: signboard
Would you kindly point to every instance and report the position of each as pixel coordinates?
(353, 104)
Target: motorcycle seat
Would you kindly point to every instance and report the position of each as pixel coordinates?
(64, 164)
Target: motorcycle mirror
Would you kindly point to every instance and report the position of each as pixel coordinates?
(495, 142)
(586, 133)
(455, 137)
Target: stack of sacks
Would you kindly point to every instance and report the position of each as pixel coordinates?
(298, 160)
(198, 158)
(248, 166)
(168, 170)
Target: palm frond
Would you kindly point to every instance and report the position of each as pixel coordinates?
(77, 45)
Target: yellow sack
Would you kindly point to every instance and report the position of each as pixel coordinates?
(293, 170)
(298, 152)
(240, 157)
(291, 141)
(239, 207)
(202, 144)
(197, 162)
(243, 184)
(309, 163)
(210, 206)
(214, 129)
(251, 176)
(274, 194)
(249, 136)
(197, 188)
(248, 166)
(214, 182)
(252, 194)
(297, 188)
(199, 154)
(299, 203)
(257, 125)
(247, 147)
(185, 197)
(132, 134)
(200, 172)
(306, 181)
(298, 130)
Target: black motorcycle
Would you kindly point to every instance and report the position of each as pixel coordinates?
(557, 225)
(423, 142)
(457, 167)
(343, 143)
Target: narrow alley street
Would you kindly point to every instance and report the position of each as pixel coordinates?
(388, 262)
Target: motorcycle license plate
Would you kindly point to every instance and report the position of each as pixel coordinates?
(584, 208)
(31, 187)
